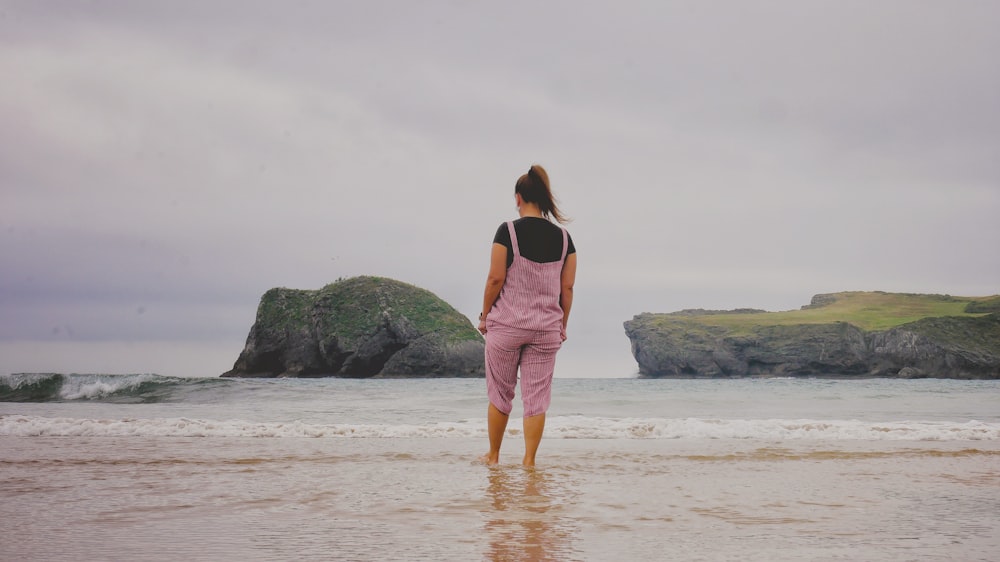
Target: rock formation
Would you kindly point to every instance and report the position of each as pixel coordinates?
(752, 343)
(359, 327)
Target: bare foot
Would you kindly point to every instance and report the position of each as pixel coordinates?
(489, 461)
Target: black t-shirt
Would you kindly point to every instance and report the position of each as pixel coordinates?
(538, 240)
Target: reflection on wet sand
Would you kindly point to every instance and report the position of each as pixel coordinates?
(524, 518)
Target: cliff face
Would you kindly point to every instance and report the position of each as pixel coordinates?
(689, 344)
(359, 327)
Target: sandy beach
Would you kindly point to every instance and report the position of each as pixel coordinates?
(145, 468)
(425, 499)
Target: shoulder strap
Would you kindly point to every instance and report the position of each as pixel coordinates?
(513, 238)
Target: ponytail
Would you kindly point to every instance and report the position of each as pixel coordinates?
(534, 187)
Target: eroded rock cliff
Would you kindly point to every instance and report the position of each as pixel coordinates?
(359, 327)
(815, 343)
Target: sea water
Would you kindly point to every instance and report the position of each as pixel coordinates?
(143, 467)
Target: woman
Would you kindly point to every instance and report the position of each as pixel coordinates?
(529, 293)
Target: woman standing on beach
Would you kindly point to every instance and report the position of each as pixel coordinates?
(526, 304)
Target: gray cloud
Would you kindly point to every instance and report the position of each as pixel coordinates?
(162, 165)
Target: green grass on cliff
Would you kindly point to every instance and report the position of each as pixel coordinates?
(870, 311)
(353, 308)
(284, 309)
(362, 300)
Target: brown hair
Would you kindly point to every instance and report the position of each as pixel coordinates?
(534, 187)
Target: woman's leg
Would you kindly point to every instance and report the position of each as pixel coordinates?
(538, 362)
(497, 422)
(503, 352)
(534, 426)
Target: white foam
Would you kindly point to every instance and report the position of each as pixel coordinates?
(559, 427)
(799, 429)
(98, 386)
(83, 387)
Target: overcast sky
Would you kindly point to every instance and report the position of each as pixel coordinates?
(162, 164)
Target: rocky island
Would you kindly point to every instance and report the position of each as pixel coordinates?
(359, 327)
(864, 334)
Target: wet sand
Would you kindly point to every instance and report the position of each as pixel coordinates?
(149, 498)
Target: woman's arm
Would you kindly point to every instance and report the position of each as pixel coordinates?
(566, 292)
(494, 282)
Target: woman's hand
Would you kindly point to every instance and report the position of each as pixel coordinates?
(482, 327)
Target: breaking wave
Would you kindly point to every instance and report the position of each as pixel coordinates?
(139, 388)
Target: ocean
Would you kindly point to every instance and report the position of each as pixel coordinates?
(145, 467)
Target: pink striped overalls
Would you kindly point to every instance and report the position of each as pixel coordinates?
(523, 329)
